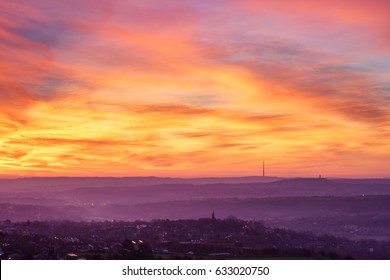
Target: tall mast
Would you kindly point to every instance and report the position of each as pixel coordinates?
(263, 169)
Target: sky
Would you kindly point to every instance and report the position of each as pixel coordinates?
(192, 88)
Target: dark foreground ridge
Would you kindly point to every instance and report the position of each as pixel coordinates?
(229, 238)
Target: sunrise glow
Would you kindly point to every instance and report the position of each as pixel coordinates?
(194, 88)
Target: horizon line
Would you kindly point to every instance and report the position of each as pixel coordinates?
(189, 178)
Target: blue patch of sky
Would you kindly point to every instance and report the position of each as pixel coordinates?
(50, 34)
(47, 88)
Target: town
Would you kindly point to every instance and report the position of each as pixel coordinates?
(205, 238)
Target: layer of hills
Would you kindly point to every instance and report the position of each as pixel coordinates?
(356, 208)
(83, 191)
(66, 183)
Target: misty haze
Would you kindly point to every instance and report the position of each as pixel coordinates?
(351, 211)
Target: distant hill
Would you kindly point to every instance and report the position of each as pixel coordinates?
(285, 208)
(378, 181)
(81, 191)
(66, 183)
